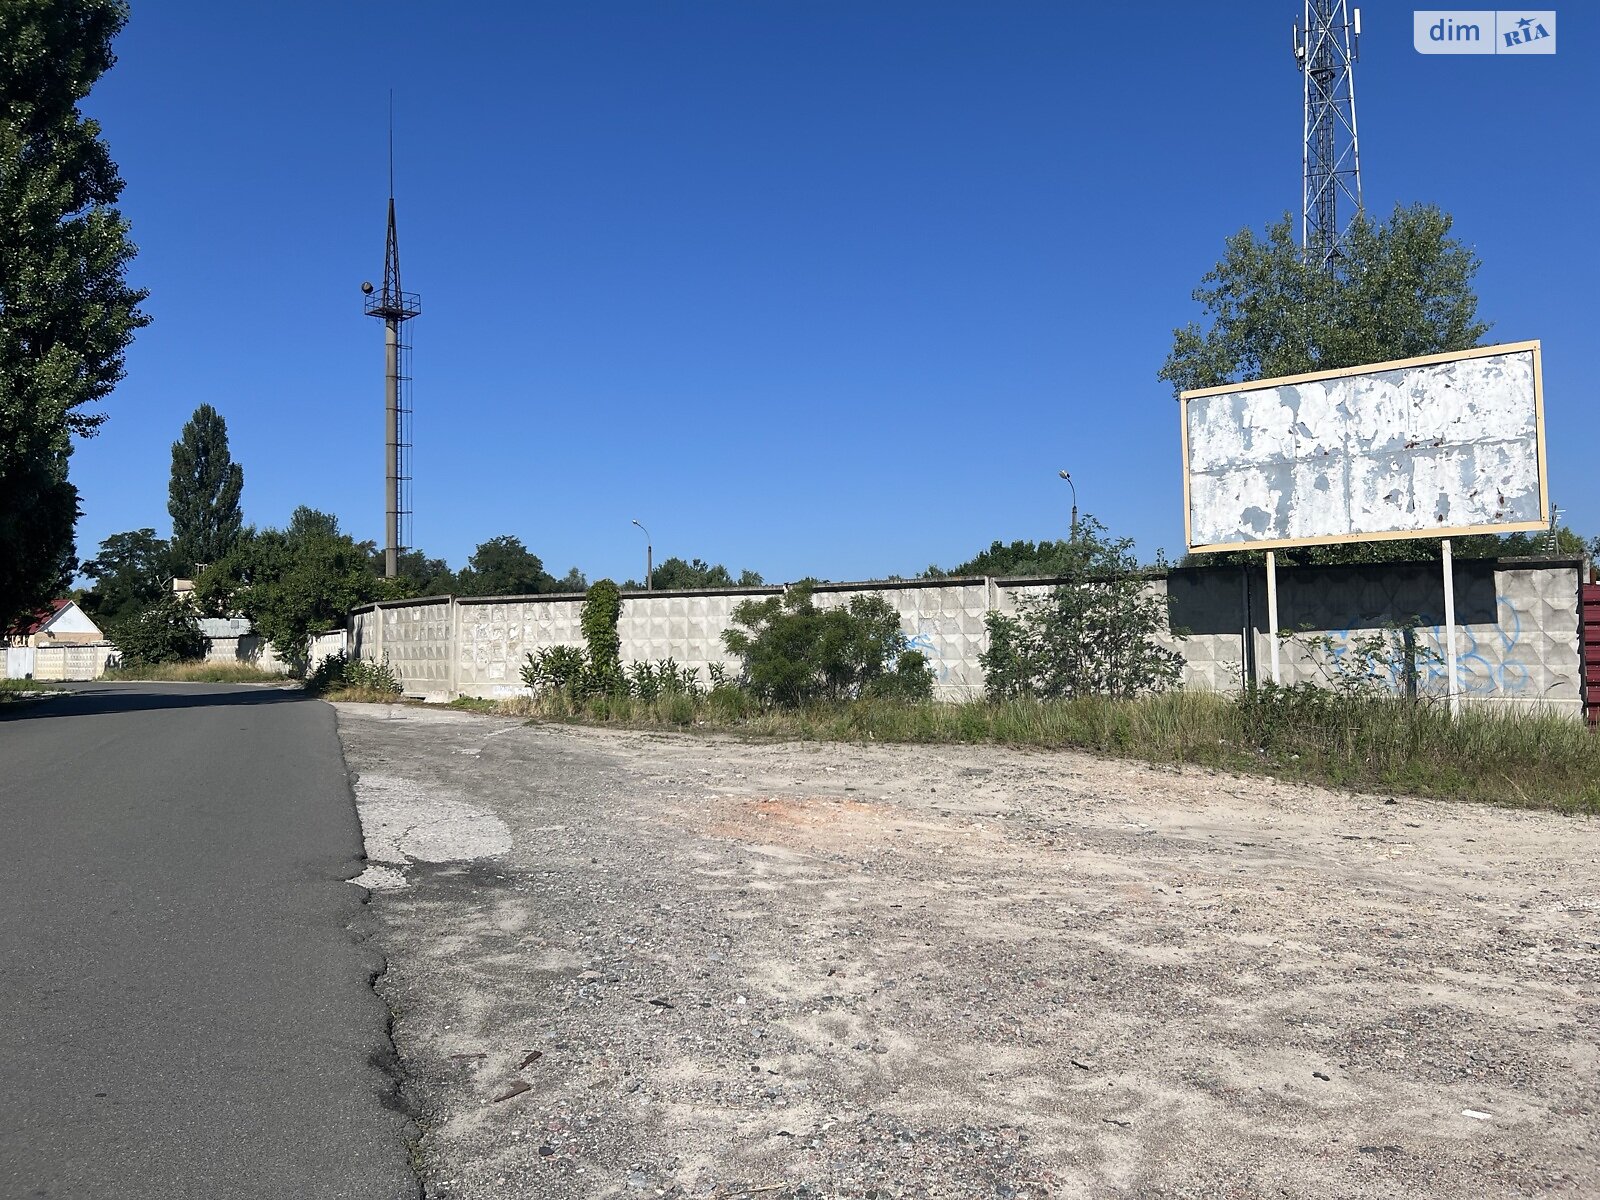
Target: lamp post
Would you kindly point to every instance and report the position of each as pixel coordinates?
(649, 561)
(1068, 477)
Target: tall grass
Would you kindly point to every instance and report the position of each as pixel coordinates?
(21, 689)
(195, 672)
(1521, 758)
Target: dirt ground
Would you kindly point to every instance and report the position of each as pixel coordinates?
(628, 964)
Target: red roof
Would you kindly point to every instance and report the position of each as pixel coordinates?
(31, 625)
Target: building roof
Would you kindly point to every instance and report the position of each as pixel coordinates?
(40, 620)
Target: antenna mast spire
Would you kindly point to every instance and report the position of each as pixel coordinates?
(1325, 50)
(394, 307)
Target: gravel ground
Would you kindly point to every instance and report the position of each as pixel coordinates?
(630, 964)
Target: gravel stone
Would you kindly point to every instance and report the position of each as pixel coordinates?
(973, 972)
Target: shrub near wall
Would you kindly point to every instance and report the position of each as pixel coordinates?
(794, 653)
(1094, 635)
(166, 632)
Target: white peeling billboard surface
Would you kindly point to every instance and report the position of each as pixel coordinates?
(1437, 446)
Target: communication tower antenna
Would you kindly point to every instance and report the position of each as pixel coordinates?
(394, 307)
(1325, 49)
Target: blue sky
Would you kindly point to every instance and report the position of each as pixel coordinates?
(815, 287)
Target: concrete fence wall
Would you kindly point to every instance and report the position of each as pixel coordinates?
(325, 645)
(71, 664)
(248, 648)
(1518, 628)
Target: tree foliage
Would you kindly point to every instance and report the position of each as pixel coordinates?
(601, 611)
(794, 652)
(203, 493)
(1405, 288)
(418, 574)
(675, 574)
(165, 631)
(1094, 635)
(292, 582)
(503, 566)
(1018, 558)
(130, 573)
(66, 312)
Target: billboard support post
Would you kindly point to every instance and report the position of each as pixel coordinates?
(1272, 613)
(1450, 627)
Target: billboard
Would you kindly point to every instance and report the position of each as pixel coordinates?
(1440, 446)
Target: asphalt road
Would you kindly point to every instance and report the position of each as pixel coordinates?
(185, 1010)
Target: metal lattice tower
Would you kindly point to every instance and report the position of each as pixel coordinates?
(395, 307)
(1325, 49)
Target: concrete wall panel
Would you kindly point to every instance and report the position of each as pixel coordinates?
(1518, 630)
(72, 663)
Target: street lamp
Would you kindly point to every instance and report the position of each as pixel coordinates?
(1074, 488)
(649, 562)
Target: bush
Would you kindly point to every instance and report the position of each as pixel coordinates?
(911, 679)
(650, 681)
(339, 672)
(563, 669)
(1094, 635)
(166, 632)
(794, 652)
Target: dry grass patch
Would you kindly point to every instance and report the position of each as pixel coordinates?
(194, 672)
(1523, 758)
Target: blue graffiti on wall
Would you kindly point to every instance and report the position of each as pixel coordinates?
(922, 640)
(1482, 668)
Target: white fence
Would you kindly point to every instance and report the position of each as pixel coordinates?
(1519, 620)
(61, 664)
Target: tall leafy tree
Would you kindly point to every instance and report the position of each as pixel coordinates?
(203, 494)
(130, 574)
(503, 566)
(293, 582)
(677, 574)
(418, 574)
(66, 311)
(1404, 289)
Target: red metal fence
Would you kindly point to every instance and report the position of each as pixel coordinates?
(1591, 651)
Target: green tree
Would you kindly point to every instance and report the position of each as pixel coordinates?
(293, 582)
(503, 566)
(165, 631)
(203, 493)
(1405, 289)
(130, 573)
(66, 312)
(1094, 635)
(418, 575)
(794, 652)
(1017, 558)
(676, 574)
